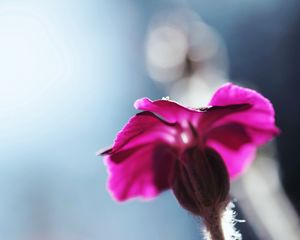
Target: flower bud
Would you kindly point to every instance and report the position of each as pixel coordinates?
(200, 183)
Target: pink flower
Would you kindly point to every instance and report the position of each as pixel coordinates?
(160, 147)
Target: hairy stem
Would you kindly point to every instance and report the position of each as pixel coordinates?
(214, 226)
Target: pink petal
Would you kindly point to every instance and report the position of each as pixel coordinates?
(143, 172)
(237, 150)
(259, 118)
(140, 160)
(236, 161)
(214, 114)
(237, 135)
(170, 111)
(141, 129)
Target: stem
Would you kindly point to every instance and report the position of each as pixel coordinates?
(214, 226)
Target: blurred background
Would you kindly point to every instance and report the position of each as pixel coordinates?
(69, 74)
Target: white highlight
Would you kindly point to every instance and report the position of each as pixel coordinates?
(228, 223)
(184, 137)
(32, 59)
(166, 46)
(167, 98)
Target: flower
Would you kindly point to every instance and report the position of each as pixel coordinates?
(194, 151)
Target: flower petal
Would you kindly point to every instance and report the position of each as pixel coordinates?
(142, 172)
(170, 111)
(141, 129)
(140, 160)
(236, 135)
(236, 161)
(258, 119)
(234, 145)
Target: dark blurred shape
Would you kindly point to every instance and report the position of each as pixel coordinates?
(287, 99)
(270, 58)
